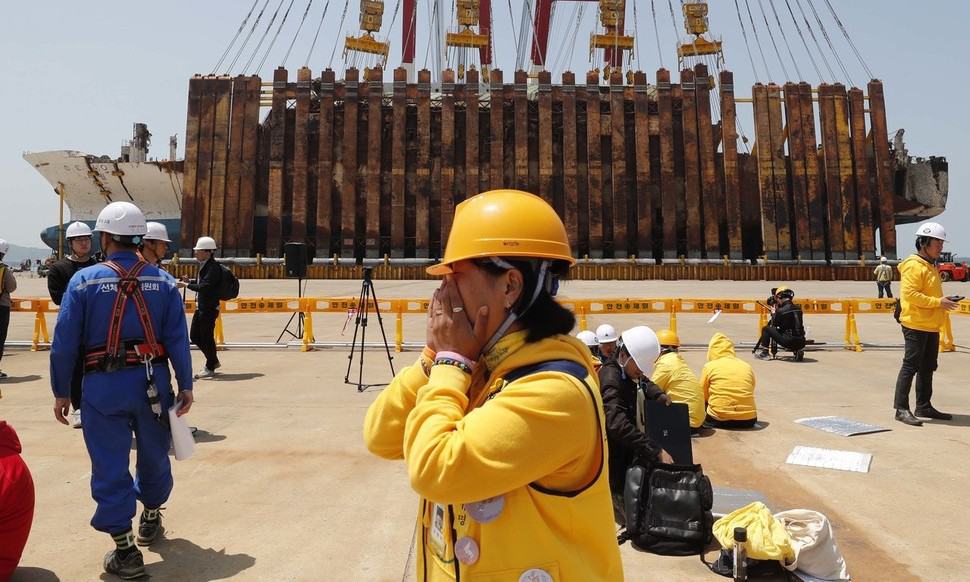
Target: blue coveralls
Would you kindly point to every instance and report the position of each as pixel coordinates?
(115, 404)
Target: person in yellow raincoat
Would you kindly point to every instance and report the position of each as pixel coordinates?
(675, 377)
(728, 383)
(500, 421)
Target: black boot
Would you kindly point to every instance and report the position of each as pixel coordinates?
(906, 417)
(149, 529)
(125, 564)
(930, 412)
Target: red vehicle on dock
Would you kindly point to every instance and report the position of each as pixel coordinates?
(951, 271)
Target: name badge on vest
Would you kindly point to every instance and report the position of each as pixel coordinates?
(437, 534)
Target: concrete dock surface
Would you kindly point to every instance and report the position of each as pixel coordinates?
(281, 487)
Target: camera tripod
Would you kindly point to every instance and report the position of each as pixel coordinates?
(300, 286)
(367, 294)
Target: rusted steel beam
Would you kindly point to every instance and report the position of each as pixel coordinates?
(830, 157)
(326, 225)
(860, 166)
(447, 153)
(250, 153)
(301, 155)
(545, 136)
(423, 195)
(521, 104)
(813, 187)
(680, 172)
(204, 177)
(375, 122)
(582, 172)
(796, 151)
(884, 171)
(669, 188)
(621, 186)
(594, 164)
(692, 173)
(711, 195)
(410, 169)
(766, 182)
(644, 199)
(752, 228)
(472, 112)
(230, 216)
(850, 225)
(277, 164)
(570, 160)
(191, 164)
(558, 171)
(732, 193)
(348, 164)
(496, 130)
(399, 106)
(783, 218)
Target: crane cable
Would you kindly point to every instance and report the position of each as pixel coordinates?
(275, 36)
(656, 33)
(849, 39)
(568, 39)
(771, 35)
(747, 46)
(818, 46)
(340, 31)
(297, 34)
(757, 40)
(515, 34)
(828, 40)
(263, 38)
(804, 42)
(316, 35)
(432, 16)
(249, 35)
(242, 25)
(784, 37)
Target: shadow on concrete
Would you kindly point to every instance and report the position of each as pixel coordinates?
(958, 420)
(19, 379)
(183, 560)
(204, 436)
(30, 574)
(243, 376)
(703, 432)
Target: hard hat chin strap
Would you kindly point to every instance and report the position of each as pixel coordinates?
(513, 315)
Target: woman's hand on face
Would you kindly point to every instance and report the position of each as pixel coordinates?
(451, 328)
(433, 306)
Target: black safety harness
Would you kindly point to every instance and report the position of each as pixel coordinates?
(115, 354)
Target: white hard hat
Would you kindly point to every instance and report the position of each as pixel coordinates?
(642, 344)
(932, 230)
(121, 218)
(4, 247)
(605, 334)
(157, 231)
(77, 230)
(588, 338)
(205, 243)
(883, 259)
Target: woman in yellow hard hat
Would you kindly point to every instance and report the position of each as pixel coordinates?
(500, 420)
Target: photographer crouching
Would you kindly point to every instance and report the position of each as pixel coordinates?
(784, 328)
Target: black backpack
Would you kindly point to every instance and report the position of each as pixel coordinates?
(228, 284)
(668, 509)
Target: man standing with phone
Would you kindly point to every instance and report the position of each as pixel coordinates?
(923, 311)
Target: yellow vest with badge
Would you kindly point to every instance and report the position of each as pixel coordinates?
(513, 475)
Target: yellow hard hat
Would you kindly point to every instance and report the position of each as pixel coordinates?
(504, 223)
(668, 337)
(781, 289)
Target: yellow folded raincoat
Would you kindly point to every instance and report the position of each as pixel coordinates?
(728, 382)
(511, 475)
(767, 537)
(672, 374)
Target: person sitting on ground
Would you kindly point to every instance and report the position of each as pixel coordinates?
(16, 501)
(620, 378)
(589, 340)
(785, 327)
(728, 384)
(606, 338)
(672, 374)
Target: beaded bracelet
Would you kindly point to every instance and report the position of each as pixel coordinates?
(450, 362)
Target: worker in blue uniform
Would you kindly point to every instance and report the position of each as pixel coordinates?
(128, 319)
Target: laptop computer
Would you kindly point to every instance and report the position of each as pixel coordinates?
(669, 428)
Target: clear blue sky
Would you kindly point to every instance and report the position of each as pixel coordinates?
(76, 75)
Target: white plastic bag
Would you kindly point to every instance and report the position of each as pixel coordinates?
(812, 539)
(182, 439)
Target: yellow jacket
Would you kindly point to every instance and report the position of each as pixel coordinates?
(467, 439)
(675, 377)
(767, 537)
(921, 293)
(728, 382)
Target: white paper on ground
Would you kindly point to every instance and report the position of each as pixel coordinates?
(182, 439)
(841, 426)
(714, 317)
(830, 459)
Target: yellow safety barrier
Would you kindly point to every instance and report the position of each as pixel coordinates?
(307, 306)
